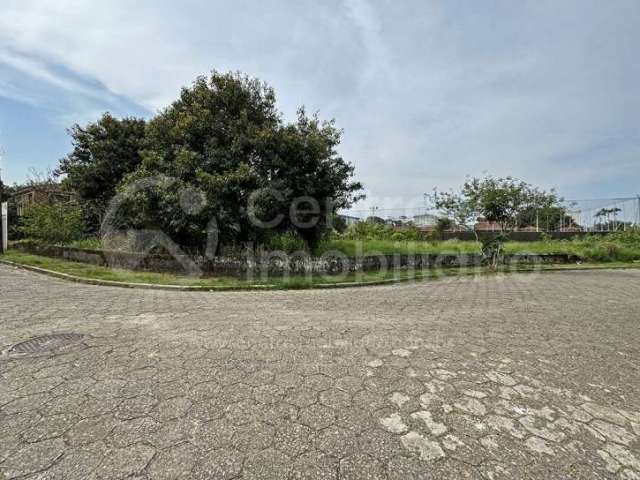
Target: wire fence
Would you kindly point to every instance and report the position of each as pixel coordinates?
(601, 214)
(604, 214)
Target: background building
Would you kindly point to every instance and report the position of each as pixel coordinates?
(50, 193)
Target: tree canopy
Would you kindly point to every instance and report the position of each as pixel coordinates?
(104, 152)
(509, 202)
(223, 153)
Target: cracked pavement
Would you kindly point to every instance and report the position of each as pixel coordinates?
(506, 377)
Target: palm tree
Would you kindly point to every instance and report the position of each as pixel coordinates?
(615, 212)
(600, 214)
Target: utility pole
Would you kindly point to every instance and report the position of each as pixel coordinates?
(3, 214)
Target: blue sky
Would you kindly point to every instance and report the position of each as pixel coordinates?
(426, 91)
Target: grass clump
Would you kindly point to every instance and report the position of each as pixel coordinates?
(614, 247)
(91, 272)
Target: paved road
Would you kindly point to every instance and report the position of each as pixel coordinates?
(510, 377)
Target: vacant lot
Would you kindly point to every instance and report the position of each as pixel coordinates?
(525, 376)
(598, 249)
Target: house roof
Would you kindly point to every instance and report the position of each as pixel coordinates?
(48, 188)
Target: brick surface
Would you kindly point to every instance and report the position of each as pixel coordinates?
(526, 376)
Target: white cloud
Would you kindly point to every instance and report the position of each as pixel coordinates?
(41, 71)
(426, 91)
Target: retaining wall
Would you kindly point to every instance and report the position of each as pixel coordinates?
(273, 264)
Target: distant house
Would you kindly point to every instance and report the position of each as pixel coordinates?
(349, 220)
(571, 228)
(49, 193)
(482, 225)
(399, 222)
(424, 220)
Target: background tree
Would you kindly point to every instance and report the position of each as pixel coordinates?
(442, 225)
(104, 152)
(457, 207)
(615, 211)
(605, 223)
(503, 200)
(545, 217)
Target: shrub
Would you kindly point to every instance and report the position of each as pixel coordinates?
(339, 224)
(442, 225)
(370, 230)
(52, 223)
(288, 242)
(91, 243)
(629, 237)
(545, 237)
(409, 233)
(619, 246)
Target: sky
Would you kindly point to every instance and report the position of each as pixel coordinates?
(427, 92)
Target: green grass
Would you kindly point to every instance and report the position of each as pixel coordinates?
(100, 273)
(615, 247)
(589, 248)
(118, 275)
(90, 272)
(87, 244)
(353, 248)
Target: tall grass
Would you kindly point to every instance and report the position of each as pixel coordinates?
(353, 248)
(616, 247)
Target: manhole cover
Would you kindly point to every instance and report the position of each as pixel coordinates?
(44, 343)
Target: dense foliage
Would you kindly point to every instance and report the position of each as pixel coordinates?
(508, 202)
(220, 160)
(618, 246)
(104, 152)
(373, 230)
(52, 223)
(613, 247)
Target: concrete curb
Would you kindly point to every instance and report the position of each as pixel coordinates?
(267, 287)
(194, 288)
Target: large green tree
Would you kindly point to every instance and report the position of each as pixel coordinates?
(104, 152)
(302, 164)
(222, 153)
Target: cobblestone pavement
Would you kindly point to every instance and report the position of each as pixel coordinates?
(529, 376)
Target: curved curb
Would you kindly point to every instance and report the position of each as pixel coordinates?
(273, 287)
(114, 283)
(195, 288)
